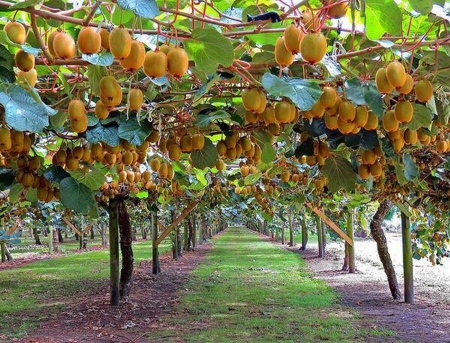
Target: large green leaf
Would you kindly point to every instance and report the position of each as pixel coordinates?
(208, 48)
(421, 117)
(339, 173)
(303, 93)
(133, 131)
(15, 192)
(93, 179)
(25, 4)
(142, 8)
(55, 174)
(422, 6)
(268, 153)
(100, 133)
(104, 59)
(203, 120)
(373, 99)
(354, 91)
(382, 16)
(95, 73)
(23, 112)
(400, 173)
(6, 65)
(206, 157)
(76, 196)
(411, 170)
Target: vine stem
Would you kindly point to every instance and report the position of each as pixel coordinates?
(91, 13)
(38, 36)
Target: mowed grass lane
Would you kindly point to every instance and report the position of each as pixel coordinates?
(250, 290)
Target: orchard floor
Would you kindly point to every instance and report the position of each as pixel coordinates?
(245, 289)
(428, 320)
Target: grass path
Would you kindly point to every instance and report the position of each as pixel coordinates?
(250, 290)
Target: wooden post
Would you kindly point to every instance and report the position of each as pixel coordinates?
(304, 233)
(291, 230)
(3, 251)
(155, 252)
(114, 272)
(194, 230)
(50, 241)
(350, 248)
(319, 236)
(283, 235)
(407, 260)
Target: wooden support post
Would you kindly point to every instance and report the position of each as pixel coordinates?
(350, 248)
(156, 269)
(3, 250)
(291, 230)
(304, 233)
(319, 236)
(407, 260)
(283, 235)
(114, 271)
(50, 241)
(194, 230)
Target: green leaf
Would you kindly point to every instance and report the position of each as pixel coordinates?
(354, 91)
(261, 136)
(422, 117)
(59, 119)
(422, 6)
(206, 87)
(104, 59)
(373, 99)
(206, 157)
(268, 153)
(31, 195)
(403, 208)
(15, 192)
(55, 174)
(252, 178)
(93, 179)
(303, 93)
(400, 172)
(411, 170)
(339, 173)
(208, 48)
(99, 133)
(203, 120)
(142, 8)
(6, 66)
(133, 131)
(25, 4)
(76, 196)
(23, 112)
(95, 73)
(382, 16)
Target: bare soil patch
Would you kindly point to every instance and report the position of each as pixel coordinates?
(91, 319)
(428, 320)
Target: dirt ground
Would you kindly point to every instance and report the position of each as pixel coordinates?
(428, 320)
(93, 320)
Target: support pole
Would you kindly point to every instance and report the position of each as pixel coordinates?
(113, 253)
(319, 236)
(291, 230)
(304, 233)
(3, 251)
(155, 252)
(351, 248)
(407, 260)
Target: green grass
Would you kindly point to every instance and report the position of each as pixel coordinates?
(30, 291)
(249, 290)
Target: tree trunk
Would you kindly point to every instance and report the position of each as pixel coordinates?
(37, 239)
(346, 258)
(190, 238)
(283, 235)
(408, 269)
(291, 230)
(50, 242)
(179, 234)
(351, 249)
(114, 278)
(304, 233)
(60, 237)
(144, 232)
(92, 233)
(8, 254)
(103, 233)
(194, 231)
(186, 234)
(3, 251)
(126, 246)
(156, 268)
(383, 251)
(134, 234)
(55, 238)
(319, 225)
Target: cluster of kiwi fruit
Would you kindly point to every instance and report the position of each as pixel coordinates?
(13, 143)
(181, 142)
(372, 161)
(234, 146)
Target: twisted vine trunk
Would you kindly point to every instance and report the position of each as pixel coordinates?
(126, 239)
(383, 251)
